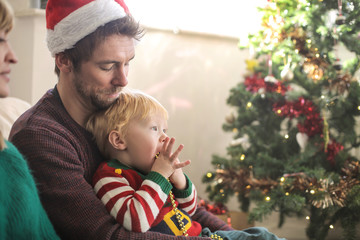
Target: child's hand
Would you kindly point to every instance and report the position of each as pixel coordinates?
(178, 178)
(167, 161)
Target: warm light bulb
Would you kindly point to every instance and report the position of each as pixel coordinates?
(242, 157)
(286, 136)
(312, 191)
(282, 179)
(249, 105)
(209, 175)
(267, 199)
(307, 218)
(287, 194)
(331, 226)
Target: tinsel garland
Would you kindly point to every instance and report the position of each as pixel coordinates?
(242, 180)
(333, 194)
(255, 83)
(312, 124)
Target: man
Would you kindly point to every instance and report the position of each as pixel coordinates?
(93, 43)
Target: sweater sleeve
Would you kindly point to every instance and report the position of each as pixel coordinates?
(22, 215)
(187, 197)
(135, 209)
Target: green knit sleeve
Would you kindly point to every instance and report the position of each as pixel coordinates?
(160, 180)
(186, 192)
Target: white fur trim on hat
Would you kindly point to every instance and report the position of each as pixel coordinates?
(81, 23)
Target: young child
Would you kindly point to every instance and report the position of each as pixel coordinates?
(142, 183)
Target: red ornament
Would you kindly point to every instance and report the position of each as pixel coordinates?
(216, 208)
(312, 125)
(255, 82)
(332, 150)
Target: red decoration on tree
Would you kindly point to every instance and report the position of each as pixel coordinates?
(332, 150)
(216, 208)
(312, 125)
(255, 82)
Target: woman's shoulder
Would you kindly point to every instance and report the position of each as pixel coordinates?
(13, 166)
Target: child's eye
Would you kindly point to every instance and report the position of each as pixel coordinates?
(164, 130)
(154, 128)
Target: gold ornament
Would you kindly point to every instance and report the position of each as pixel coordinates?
(342, 83)
(251, 64)
(326, 133)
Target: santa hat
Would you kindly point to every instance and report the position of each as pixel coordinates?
(68, 21)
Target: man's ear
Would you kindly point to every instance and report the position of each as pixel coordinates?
(117, 140)
(63, 62)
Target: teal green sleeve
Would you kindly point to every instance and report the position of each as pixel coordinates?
(22, 214)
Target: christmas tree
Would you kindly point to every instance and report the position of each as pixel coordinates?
(296, 119)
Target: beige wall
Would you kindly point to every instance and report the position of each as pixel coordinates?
(191, 75)
(33, 74)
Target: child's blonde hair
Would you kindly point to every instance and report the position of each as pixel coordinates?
(131, 105)
(6, 16)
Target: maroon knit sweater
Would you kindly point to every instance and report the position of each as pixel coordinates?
(63, 158)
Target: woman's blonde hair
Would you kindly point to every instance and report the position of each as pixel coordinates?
(6, 24)
(2, 142)
(131, 105)
(6, 16)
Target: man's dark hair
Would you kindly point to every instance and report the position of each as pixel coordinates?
(84, 48)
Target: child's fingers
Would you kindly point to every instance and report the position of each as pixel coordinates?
(182, 164)
(175, 155)
(169, 147)
(165, 145)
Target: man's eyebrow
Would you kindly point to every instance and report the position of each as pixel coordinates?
(112, 61)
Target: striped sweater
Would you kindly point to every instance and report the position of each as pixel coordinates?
(141, 203)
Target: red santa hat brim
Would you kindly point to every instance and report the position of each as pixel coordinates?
(78, 21)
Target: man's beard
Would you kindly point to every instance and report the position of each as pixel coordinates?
(95, 100)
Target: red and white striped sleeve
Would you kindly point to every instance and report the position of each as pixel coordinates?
(135, 209)
(187, 198)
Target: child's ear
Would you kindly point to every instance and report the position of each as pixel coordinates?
(116, 140)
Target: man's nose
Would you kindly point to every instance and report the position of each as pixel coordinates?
(120, 78)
